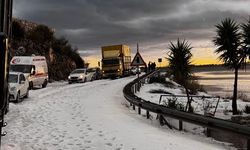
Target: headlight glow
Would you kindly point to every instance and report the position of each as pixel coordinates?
(81, 76)
(69, 77)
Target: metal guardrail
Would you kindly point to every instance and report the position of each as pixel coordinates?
(209, 122)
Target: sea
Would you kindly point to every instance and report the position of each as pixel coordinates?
(221, 82)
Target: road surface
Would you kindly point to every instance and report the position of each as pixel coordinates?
(90, 116)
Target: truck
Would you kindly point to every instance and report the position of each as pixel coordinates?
(116, 61)
(34, 68)
(5, 40)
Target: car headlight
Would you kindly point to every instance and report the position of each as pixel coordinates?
(118, 70)
(81, 76)
(69, 77)
(13, 88)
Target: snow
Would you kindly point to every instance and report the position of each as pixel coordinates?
(92, 115)
(224, 106)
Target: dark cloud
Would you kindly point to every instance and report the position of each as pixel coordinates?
(89, 24)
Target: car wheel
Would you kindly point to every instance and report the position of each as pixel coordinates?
(85, 80)
(17, 97)
(27, 94)
(70, 82)
(44, 84)
(30, 85)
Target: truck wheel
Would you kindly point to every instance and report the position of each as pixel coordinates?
(17, 97)
(27, 94)
(93, 78)
(44, 84)
(30, 85)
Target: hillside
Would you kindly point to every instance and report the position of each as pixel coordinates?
(31, 38)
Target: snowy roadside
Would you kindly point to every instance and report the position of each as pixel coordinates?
(224, 106)
(92, 115)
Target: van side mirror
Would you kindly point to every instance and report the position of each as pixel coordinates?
(33, 72)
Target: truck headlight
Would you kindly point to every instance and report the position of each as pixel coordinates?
(13, 88)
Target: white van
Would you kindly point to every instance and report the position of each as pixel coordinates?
(34, 68)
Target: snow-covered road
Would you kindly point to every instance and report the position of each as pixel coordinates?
(92, 115)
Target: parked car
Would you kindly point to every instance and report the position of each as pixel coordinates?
(135, 70)
(80, 76)
(19, 86)
(96, 73)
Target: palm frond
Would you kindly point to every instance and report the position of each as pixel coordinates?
(179, 60)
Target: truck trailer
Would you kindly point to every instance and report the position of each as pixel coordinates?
(116, 60)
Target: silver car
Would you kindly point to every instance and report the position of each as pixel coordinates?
(80, 76)
(19, 86)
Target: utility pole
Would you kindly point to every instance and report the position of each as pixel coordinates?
(5, 35)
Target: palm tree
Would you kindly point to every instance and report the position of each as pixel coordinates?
(246, 36)
(228, 40)
(179, 60)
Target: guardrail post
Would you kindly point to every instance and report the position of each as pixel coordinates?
(148, 114)
(180, 125)
(138, 87)
(139, 110)
(248, 144)
(208, 132)
(135, 88)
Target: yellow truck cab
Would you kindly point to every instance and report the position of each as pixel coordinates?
(116, 60)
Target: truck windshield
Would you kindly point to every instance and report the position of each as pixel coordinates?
(91, 70)
(13, 78)
(21, 68)
(111, 61)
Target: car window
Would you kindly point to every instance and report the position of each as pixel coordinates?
(22, 78)
(13, 78)
(78, 71)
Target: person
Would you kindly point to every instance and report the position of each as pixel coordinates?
(149, 66)
(153, 65)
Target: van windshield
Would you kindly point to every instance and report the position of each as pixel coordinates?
(13, 78)
(21, 68)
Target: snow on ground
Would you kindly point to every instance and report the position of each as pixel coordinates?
(224, 106)
(93, 116)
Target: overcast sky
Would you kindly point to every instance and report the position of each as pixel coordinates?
(90, 24)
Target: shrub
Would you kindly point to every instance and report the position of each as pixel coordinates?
(194, 87)
(172, 103)
(157, 80)
(159, 91)
(243, 96)
(161, 80)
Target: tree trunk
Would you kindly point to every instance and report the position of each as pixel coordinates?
(188, 100)
(234, 102)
